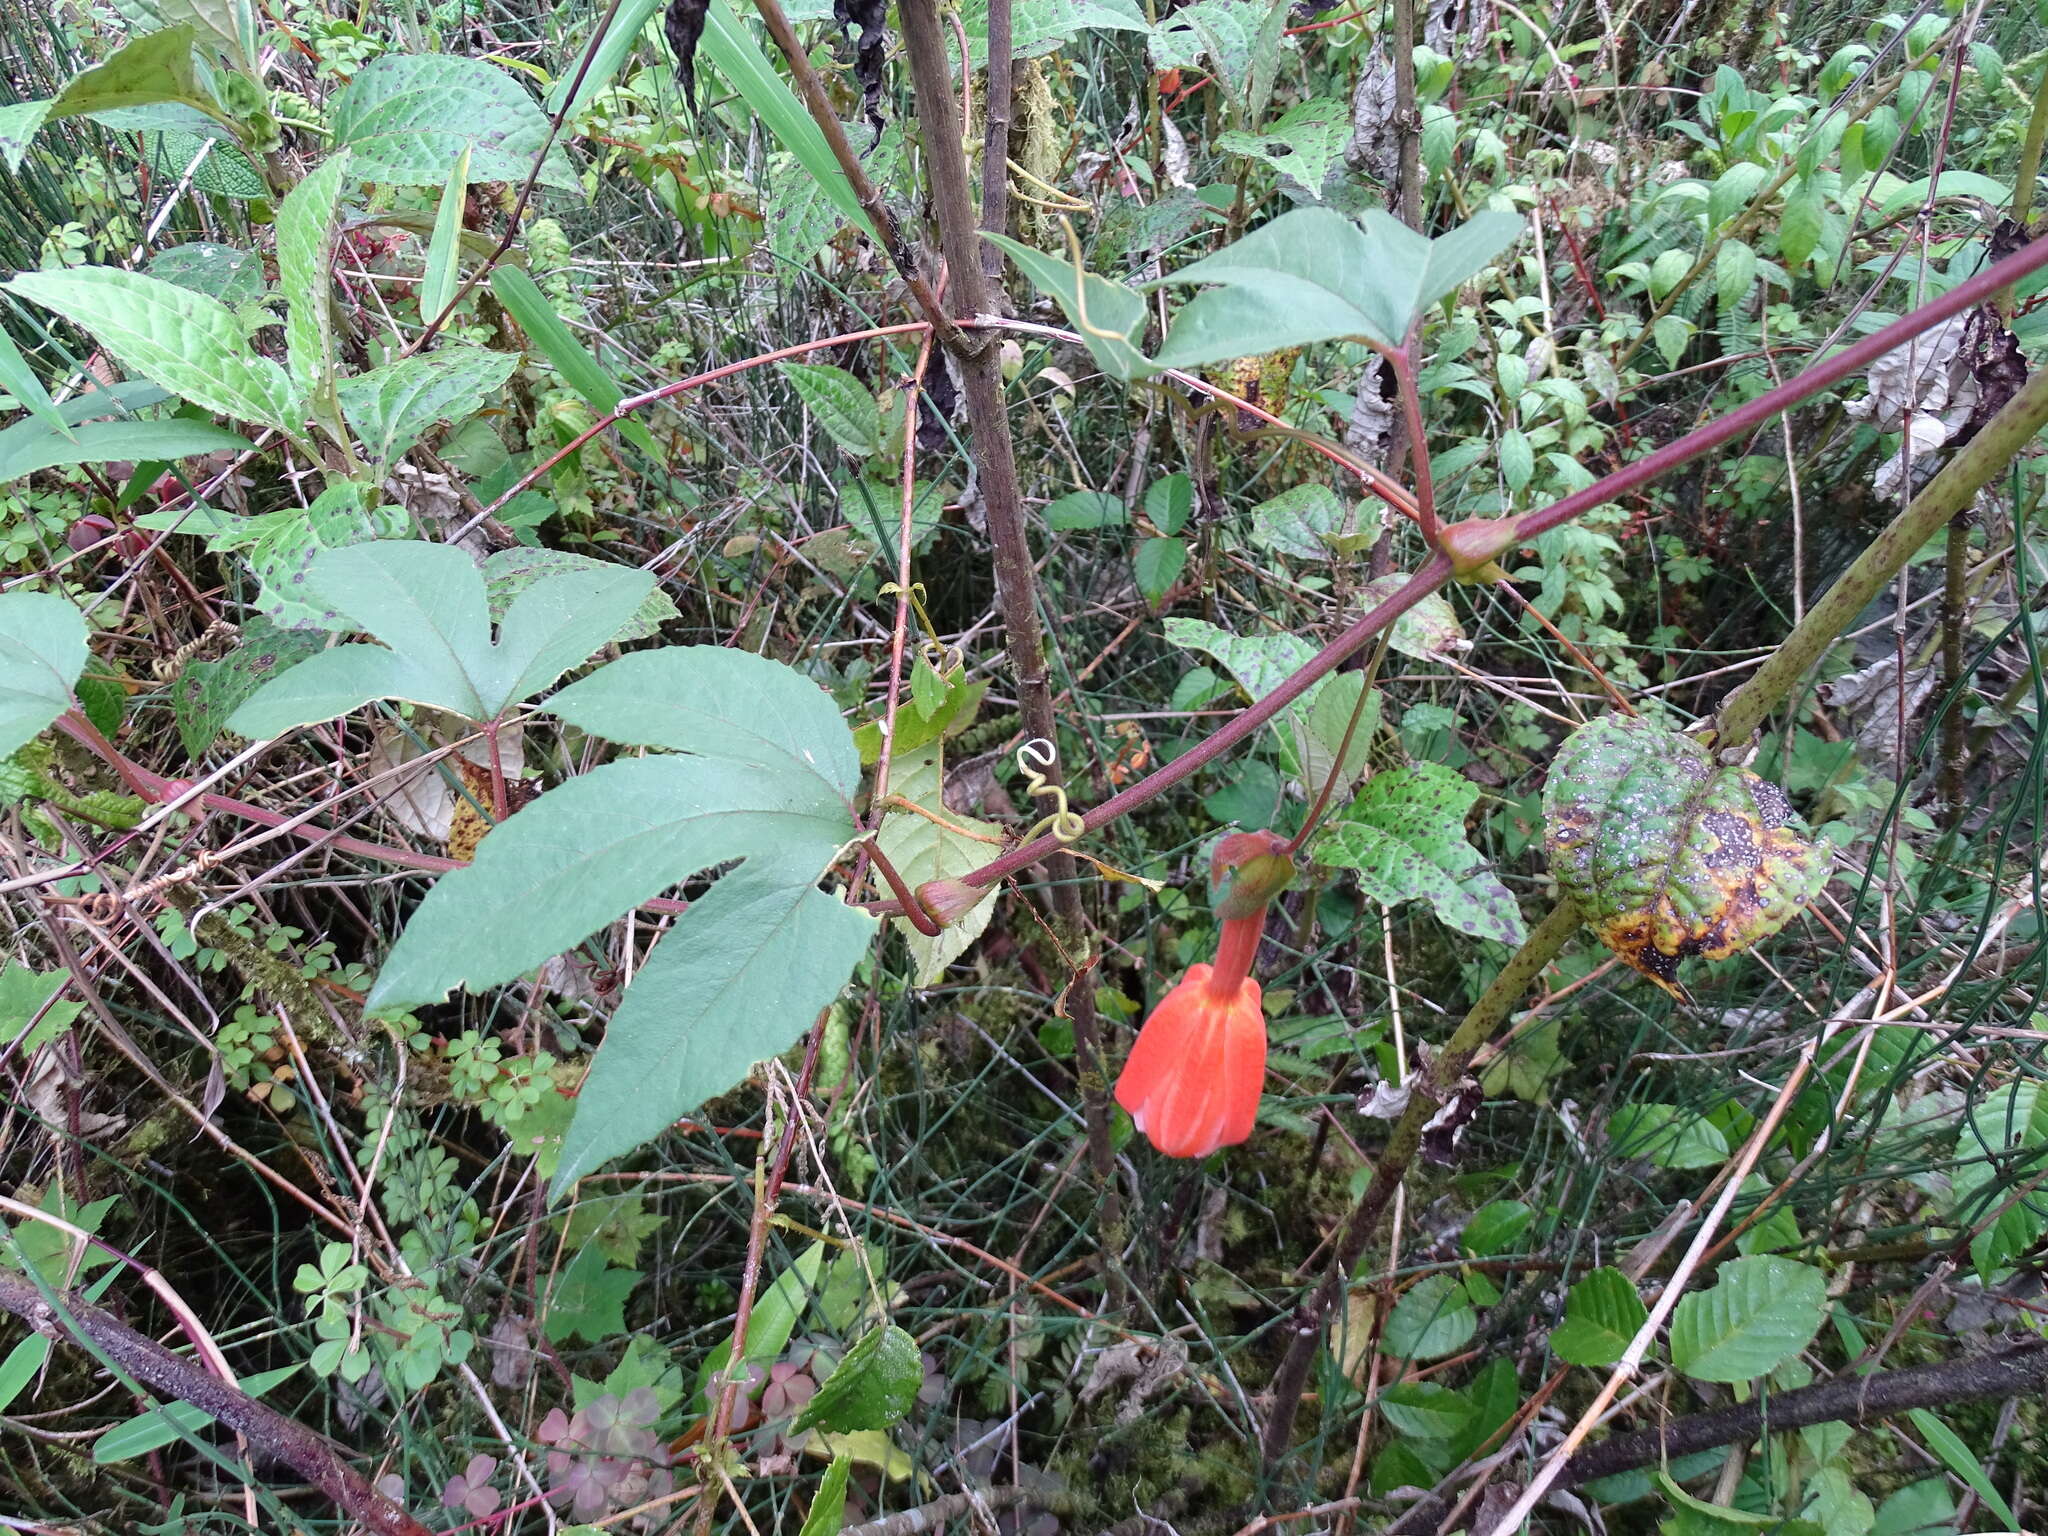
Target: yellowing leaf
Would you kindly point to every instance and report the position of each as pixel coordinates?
(1666, 853)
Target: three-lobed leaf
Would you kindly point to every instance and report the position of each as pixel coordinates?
(1404, 834)
(760, 768)
(426, 603)
(1313, 275)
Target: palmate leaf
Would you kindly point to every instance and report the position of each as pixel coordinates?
(764, 772)
(426, 603)
(1404, 834)
(1667, 854)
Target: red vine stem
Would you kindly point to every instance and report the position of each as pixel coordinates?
(1433, 573)
(1437, 569)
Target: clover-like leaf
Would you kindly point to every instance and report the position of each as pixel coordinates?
(426, 603)
(1666, 853)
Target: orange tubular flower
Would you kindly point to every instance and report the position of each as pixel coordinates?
(1192, 1081)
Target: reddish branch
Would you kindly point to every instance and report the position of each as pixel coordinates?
(315, 1458)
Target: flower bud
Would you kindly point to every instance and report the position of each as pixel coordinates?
(1246, 872)
(1473, 545)
(950, 900)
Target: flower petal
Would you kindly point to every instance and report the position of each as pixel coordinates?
(1192, 1081)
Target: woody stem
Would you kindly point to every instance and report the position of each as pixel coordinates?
(1235, 954)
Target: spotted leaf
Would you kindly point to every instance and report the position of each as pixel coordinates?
(1666, 853)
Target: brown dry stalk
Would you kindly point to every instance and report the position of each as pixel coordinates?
(314, 1457)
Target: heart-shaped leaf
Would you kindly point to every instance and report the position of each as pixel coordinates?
(1667, 854)
(426, 603)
